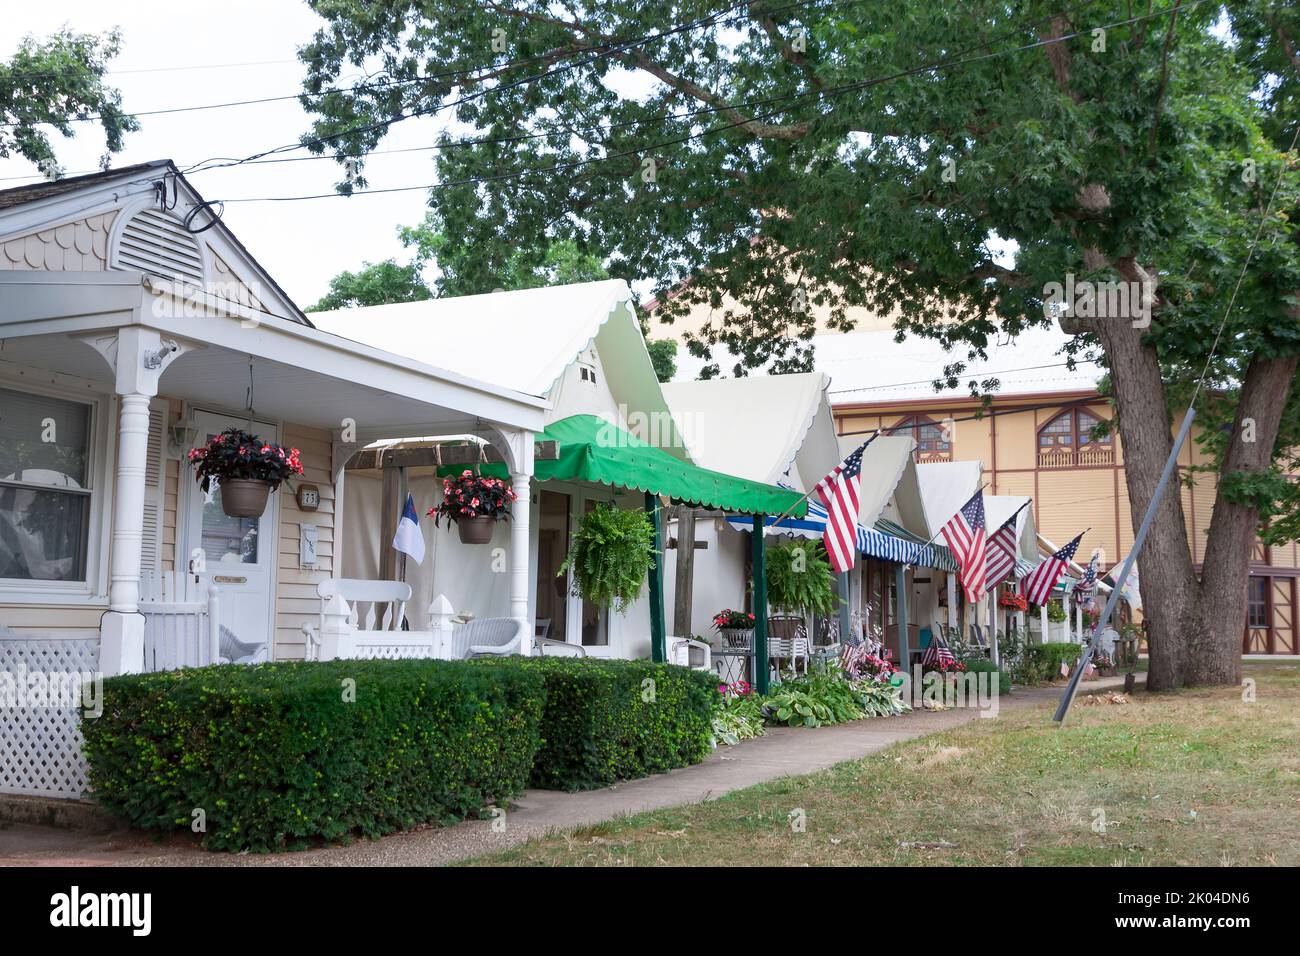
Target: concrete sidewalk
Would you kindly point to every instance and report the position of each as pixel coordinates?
(783, 752)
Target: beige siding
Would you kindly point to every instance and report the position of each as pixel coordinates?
(77, 246)
(295, 599)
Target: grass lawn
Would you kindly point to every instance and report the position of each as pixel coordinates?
(1197, 777)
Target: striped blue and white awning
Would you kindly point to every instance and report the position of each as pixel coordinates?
(871, 542)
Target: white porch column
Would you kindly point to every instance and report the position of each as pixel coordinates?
(952, 599)
(138, 357)
(1042, 617)
(128, 503)
(519, 531)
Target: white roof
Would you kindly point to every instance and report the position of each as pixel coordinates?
(872, 367)
(751, 427)
(884, 464)
(998, 508)
(945, 487)
(522, 340)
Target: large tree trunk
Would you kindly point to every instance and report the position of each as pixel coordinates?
(1214, 646)
(1169, 587)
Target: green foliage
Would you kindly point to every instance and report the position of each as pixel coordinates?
(277, 756)
(1043, 661)
(800, 578)
(610, 720)
(375, 284)
(822, 696)
(54, 81)
(663, 355)
(982, 665)
(611, 556)
(738, 717)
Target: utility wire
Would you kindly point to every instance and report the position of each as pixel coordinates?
(816, 94)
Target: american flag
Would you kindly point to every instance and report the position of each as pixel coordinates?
(1089, 582)
(1001, 557)
(1041, 580)
(937, 654)
(964, 533)
(839, 492)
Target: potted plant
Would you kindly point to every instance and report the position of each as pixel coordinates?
(800, 579)
(473, 504)
(611, 556)
(736, 627)
(245, 468)
(1016, 602)
(1056, 612)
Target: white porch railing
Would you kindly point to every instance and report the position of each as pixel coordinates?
(363, 619)
(182, 622)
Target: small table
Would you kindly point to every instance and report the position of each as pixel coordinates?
(724, 661)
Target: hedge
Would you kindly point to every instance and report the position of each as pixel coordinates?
(611, 720)
(1044, 660)
(275, 755)
(984, 665)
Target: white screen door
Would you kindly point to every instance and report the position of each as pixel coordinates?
(239, 553)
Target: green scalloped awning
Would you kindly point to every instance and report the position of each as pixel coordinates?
(592, 449)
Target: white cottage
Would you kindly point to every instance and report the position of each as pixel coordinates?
(133, 325)
(580, 349)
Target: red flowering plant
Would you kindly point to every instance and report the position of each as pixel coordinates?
(867, 662)
(473, 496)
(1012, 600)
(733, 620)
(235, 454)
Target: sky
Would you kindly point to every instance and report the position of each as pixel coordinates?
(235, 50)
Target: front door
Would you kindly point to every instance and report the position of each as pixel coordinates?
(238, 554)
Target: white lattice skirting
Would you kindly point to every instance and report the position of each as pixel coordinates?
(40, 747)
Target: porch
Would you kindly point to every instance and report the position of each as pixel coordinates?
(129, 371)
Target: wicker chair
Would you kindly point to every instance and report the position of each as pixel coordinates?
(490, 636)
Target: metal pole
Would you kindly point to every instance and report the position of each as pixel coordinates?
(658, 636)
(1147, 518)
(761, 682)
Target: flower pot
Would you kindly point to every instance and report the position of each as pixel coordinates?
(476, 530)
(737, 637)
(244, 497)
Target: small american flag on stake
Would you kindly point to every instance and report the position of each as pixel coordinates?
(964, 534)
(937, 654)
(839, 492)
(1041, 580)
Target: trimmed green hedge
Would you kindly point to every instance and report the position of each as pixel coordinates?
(275, 755)
(1043, 661)
(977, 665)
(611, 720)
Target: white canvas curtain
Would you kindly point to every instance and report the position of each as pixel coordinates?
(474, 577)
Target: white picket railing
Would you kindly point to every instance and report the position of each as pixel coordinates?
(182, 622)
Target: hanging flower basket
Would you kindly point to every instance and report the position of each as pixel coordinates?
(245, 468)
(474, 504)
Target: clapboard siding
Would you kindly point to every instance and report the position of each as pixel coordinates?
(295, 596)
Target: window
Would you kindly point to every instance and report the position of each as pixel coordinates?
(45, 487)
(931, 442)
(1257, 602)
(1066, 440)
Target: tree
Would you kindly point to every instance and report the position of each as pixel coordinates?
(54, 82)
(375, 284)
(881, 154)
(663, 355)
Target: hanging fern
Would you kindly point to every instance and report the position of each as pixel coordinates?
(800, 578)
(611, 556)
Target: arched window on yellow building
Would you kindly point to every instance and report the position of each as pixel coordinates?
(932, 443)
(1066, 441)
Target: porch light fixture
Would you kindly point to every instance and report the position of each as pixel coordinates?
(182, 437)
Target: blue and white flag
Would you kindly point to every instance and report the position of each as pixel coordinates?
(409, 538)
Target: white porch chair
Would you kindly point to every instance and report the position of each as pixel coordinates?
(490, 636)
(182, 623)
